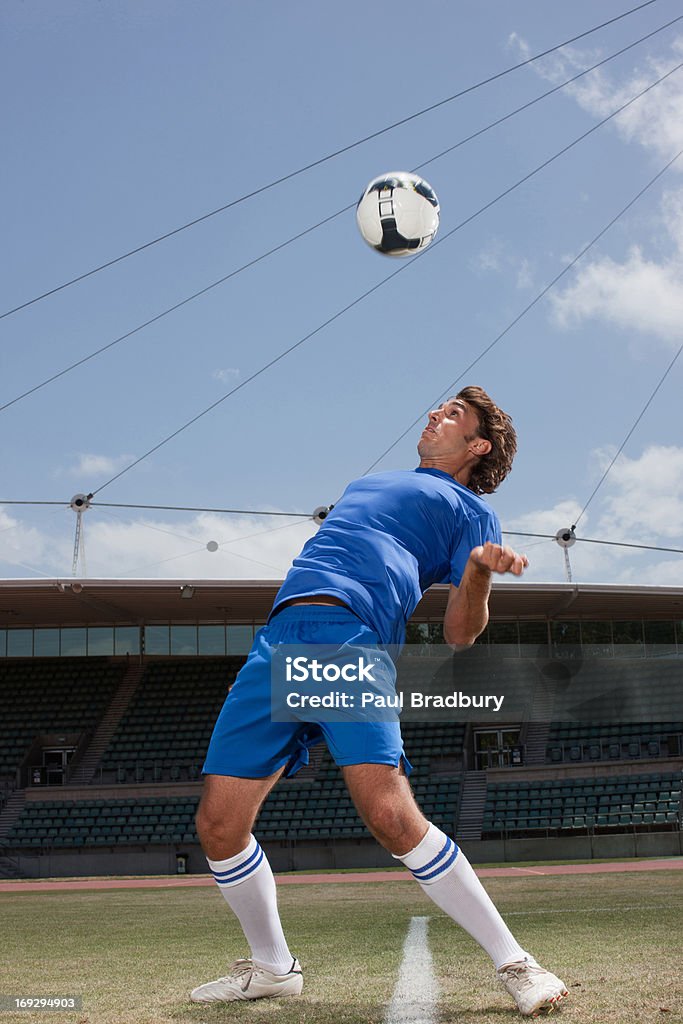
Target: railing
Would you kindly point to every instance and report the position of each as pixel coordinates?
(667, 744)
(148, 771)
(588, 824)
(7, 787)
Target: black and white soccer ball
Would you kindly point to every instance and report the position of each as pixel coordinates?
(398, 214)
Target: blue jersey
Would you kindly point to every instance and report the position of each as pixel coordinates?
(387, 540)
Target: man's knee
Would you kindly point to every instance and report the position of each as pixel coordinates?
(226, 814)
(397, 824)
(208, 821)
(221, 833)
(385, 819)
(385, 801)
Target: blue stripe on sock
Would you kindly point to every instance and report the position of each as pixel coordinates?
(442, 869)
(442, 853)
(439, 864)
(225, 876)
(249, 871)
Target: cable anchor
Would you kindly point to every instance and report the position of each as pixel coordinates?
(321, 513)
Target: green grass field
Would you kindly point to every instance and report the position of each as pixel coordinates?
(133, 955)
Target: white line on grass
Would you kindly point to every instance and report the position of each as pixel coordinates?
(417, 990)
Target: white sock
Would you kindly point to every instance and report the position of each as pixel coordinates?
(445, 874)
(248, 887)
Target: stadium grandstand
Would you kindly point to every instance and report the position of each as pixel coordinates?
(110, 689)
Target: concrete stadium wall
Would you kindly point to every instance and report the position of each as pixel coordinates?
(343, 853)
(603, 847)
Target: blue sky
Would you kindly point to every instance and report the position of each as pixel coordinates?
(127, 119)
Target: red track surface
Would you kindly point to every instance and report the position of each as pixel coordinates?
(188, 881)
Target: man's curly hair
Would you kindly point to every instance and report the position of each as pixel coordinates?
(496, 426)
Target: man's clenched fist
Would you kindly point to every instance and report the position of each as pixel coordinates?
(498, 558)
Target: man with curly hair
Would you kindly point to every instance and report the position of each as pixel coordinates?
(355, 584)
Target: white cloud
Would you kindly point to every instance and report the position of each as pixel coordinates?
(640, 292)
(24, 547)
(653, 121)
(229, 373)
(640, 502)
(249, 548)
(497, 257)
(661, 574)
(516, 42)
(546, 557)
(525, 277)
(93, 465)
(490, 258)
(548, 520)
(644, 500)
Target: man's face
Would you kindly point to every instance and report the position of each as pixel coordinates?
(450, 430)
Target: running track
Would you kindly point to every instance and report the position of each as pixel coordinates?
(188, 881)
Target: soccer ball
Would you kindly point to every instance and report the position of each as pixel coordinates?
(398, 213)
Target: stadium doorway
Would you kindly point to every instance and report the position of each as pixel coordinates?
(496, 748)
(53, 770)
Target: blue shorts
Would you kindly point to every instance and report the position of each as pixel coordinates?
(247, 743)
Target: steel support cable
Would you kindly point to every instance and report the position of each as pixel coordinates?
(324, 159)
(326, 220)
(25, 565)
(380, 284)
(161, 561)
(628, 436)
(548, 92)
(591, 540)
(203, 547)
(179, 536)
(186, 508)
(530, 306)
(167, 312)
(196, 540)
(166, 508)
(196, 551)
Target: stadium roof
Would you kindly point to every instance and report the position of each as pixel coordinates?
(67, 602)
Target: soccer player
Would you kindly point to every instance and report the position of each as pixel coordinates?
(356, 582)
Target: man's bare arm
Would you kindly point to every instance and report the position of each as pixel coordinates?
(467, 612)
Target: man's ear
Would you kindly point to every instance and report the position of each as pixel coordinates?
(480, 446)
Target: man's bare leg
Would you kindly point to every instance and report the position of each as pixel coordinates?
(227, 812)
(225, 819)
(386, 803)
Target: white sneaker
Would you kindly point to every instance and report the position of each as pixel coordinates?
(532, 987)
(247, 981)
